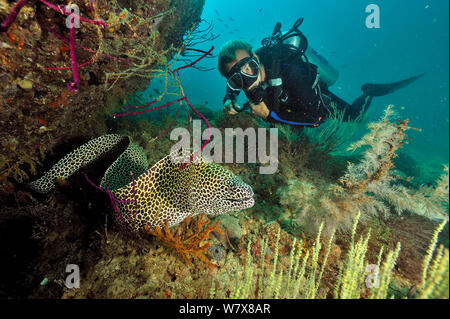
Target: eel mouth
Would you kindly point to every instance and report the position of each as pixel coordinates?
(239, 199)
(245, 202)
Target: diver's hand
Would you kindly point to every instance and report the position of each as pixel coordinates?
(261, 110)
(228, 107)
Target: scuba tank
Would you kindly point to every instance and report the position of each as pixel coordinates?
(298, 43)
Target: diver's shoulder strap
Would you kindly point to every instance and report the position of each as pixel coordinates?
(276, 60)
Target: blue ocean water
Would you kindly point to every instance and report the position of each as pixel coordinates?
(413, 38)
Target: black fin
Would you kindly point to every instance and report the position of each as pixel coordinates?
(371, 89)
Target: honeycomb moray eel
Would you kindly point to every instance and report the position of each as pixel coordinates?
(152, 196)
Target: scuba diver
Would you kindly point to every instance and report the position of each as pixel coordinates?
(286, 81)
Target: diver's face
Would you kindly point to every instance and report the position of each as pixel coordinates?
(242, 54)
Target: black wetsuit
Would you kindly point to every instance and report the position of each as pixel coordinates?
(297, 98)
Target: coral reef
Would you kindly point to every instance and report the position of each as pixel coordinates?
(317, 224)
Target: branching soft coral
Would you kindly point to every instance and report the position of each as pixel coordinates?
(191, 241)
(312, 205)
(430, 202)
(335, 133)
(383, 140)
(369, 186)
(373, 175)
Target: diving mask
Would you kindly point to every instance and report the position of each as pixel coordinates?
(243, 74)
